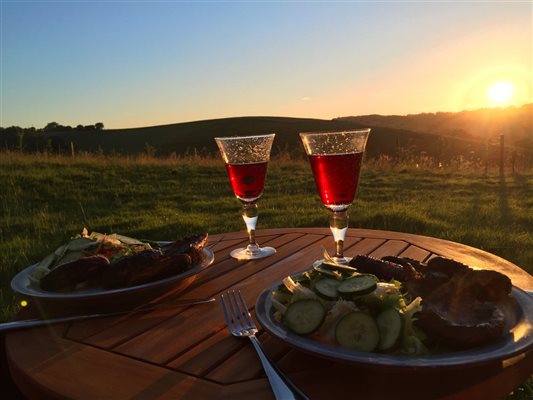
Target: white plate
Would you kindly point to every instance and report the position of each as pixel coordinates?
(21, 284)
(518, 340)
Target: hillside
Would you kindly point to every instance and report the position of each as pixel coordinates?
(515, 122)
(183, 138)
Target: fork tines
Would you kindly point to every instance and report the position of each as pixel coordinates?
(236, 313)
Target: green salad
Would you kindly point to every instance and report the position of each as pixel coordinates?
(336, 304)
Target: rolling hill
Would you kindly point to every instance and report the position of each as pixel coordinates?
(184, 138)
(516, 123)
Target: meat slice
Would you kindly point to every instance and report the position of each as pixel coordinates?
(477, 324)
(482, 284)
(151, 265)
(464, 307)
(407, 262)
(146, 266)
(446, 266)
(191, 245)
(66, 277)
(384, 270)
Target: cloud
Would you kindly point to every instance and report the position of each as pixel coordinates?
(306, 98)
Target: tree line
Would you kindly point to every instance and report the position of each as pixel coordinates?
(40, 139)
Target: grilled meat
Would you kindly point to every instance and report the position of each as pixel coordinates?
(192, 245)
(446, 266)
(143, 267)
(66, 277)
(384, 270)
(406, 261)
(461, 323)
(462, 306)
(151, 265)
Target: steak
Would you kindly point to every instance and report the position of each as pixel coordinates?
(461, 305)
(151, 265)
(66, 277)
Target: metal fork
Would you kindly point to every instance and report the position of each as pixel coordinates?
(240, 324)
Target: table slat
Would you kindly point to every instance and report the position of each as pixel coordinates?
(390, 248)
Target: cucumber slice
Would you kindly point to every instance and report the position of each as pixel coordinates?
(390, 325)
(327, 288)
(357, 331)
(304, 316)
(358, 285)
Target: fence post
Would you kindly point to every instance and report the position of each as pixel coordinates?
(72, 149)
(502, 155)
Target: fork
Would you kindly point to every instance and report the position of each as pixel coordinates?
(240, 324)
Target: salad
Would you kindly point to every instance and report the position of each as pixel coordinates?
(112, 246)
(336, 304)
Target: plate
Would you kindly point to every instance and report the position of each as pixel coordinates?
(518, 340)
(22, 285)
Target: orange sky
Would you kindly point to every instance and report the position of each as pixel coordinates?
(158, 63)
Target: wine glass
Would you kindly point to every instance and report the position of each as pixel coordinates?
(335, 159)
(246, 159)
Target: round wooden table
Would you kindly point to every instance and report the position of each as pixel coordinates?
(187, 352)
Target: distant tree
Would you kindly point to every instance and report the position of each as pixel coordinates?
(51, 126)
(79, 127)
(9, 137)
(89, 127)
(99, 126)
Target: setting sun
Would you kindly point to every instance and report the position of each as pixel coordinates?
(501, 93)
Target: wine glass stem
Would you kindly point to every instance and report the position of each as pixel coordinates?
(249, 215)
(338, 223)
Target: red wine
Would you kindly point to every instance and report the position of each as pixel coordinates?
(336, 176)
(247, 180)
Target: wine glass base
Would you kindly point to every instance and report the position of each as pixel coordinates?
(245, 254)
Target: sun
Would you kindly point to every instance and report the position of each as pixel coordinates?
(500, 93)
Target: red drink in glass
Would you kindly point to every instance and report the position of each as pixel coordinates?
(336, 177)
(335, 159)
(247, 180)
(246, 159)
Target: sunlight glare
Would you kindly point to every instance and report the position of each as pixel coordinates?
(501, 93)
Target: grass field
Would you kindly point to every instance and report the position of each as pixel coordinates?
(45, 200)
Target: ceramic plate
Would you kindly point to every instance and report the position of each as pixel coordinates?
(22, 285)
(518, 340)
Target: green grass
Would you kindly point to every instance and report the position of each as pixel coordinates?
(46, 200)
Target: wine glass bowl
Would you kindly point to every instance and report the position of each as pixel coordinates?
(335, 159)
(246, 159)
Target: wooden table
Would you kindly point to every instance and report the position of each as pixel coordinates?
(187, 353)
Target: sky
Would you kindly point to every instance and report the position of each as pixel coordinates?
(143, 63)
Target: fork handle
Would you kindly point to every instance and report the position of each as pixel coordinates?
(281, 390)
